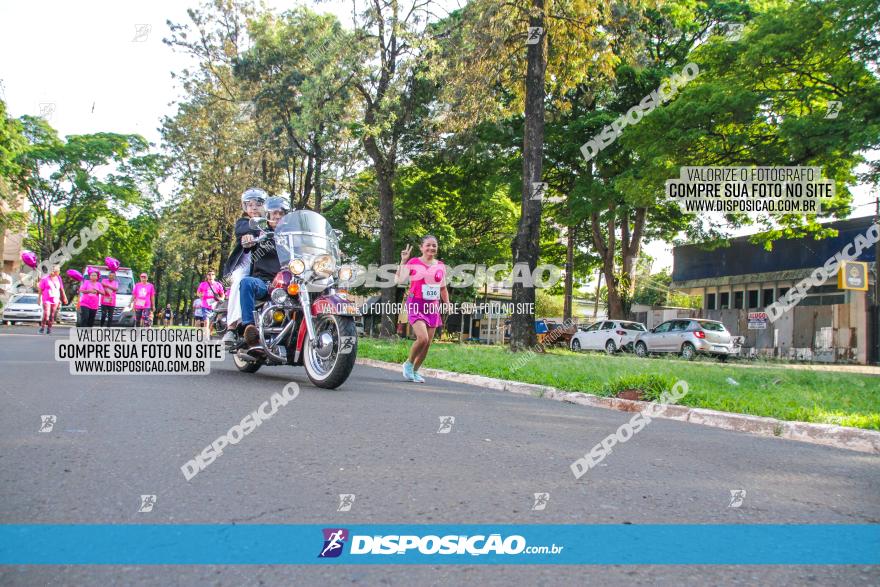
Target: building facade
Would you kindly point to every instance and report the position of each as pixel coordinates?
(829, 324)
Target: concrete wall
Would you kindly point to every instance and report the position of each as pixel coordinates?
(833, 334)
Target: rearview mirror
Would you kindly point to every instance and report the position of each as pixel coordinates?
(258, 223)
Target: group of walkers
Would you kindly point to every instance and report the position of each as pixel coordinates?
(96, 300)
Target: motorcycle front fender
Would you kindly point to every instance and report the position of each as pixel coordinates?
(326, 304)
(334, 304)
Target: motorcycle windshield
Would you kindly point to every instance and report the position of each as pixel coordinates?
(305, 234)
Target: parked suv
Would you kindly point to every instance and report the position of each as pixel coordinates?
(687, 336)
(610, 335)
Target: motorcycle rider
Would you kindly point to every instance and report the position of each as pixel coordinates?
(264, 267)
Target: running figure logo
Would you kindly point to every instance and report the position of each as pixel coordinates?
(446, 423)
(737, 496)
(147, 503)
(833, 109)
(535, 33)
(541, 500)
(538, 189)
(334, 540)
(141, 32)
(346, 500)
(47, 423)
(346, 344)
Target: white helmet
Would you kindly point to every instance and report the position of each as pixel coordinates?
(253, 195)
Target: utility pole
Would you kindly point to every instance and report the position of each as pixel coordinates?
(877, 284)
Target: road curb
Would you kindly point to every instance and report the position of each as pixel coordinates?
(843, 437)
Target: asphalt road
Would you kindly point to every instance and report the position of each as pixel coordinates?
(118, 437)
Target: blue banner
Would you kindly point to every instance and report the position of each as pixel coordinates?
(162, 544)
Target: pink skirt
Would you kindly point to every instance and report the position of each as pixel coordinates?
(427, 311)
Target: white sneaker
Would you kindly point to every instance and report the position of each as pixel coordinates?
(228, 337)
(418, 378)
(408, 371)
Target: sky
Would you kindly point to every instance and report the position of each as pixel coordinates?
(102, 66)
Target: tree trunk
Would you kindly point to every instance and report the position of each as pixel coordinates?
(157, 284)
(319, 160)
(526, 244)
(569, 278)
(386, 248)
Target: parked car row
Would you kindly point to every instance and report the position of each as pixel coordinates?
(688, 337)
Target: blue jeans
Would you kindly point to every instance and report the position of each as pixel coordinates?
(249, 290)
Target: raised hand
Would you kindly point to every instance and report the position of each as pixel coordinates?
(405, 253)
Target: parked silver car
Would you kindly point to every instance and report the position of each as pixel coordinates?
(23, 308)
(610, 335)
(688, 336)
(67, 314)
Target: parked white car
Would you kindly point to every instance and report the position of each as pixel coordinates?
(608, 335)
(22, 308)
(67, 314)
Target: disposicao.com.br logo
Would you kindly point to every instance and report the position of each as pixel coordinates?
(477, 545)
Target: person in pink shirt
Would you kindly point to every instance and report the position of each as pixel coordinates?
(51, 294)
(108, 300)
(90, 293)
(211, 291)
(427, 277)
(144, 296)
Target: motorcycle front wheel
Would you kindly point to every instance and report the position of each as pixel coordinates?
(330, 360)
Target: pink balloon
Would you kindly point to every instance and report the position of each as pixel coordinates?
(29, 258)
(74, 275)
(112, 264)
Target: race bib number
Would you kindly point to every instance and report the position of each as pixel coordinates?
(430, 292)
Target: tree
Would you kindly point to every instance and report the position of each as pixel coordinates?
(763, 101)
(213, 141)
(12, 143)
(67, 185)
(569, 41)
(394, 42)
(301, 66)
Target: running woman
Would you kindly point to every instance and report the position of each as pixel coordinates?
(144, 295)
(427, 276)
(90, 293)
(51, 293)
(108, 300)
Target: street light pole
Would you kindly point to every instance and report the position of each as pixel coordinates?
(877, 284)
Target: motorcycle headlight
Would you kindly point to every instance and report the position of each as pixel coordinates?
(279, 296)
(324, 265)
(296, 266)
(345, 273)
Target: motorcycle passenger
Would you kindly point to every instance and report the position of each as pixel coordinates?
(264, 267)
(238, 264)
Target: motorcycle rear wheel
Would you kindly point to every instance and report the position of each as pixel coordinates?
(325, 365)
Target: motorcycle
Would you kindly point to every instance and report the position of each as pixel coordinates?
(304, 321)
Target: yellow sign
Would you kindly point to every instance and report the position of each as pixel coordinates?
(853, 275)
